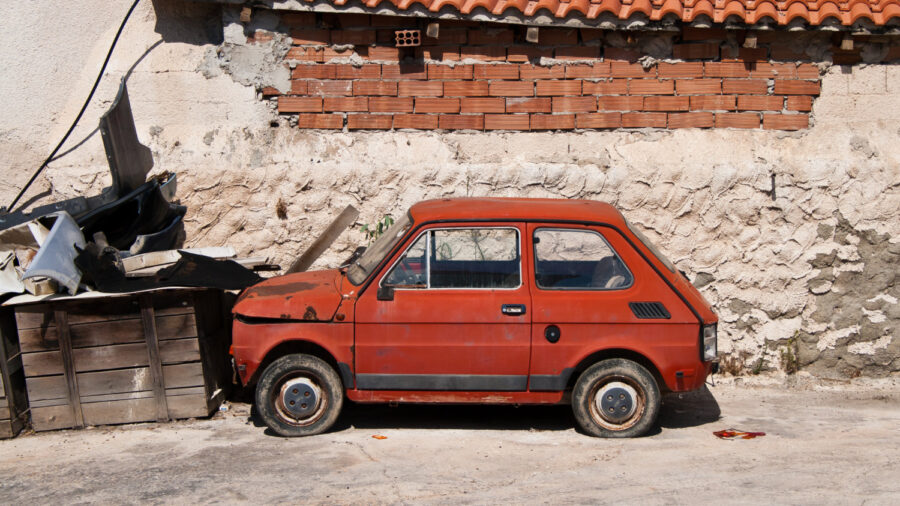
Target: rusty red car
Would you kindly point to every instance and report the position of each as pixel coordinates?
(481, 300)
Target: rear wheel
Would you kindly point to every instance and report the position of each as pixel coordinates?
(616, 398)
(299, 395)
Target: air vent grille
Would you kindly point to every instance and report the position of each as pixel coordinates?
(649, 310)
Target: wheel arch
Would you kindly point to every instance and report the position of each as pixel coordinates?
(623, 353)
(305, 347)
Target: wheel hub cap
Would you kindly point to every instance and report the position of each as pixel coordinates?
(616, 402)
(300, 397)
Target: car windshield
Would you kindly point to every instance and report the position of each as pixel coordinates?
(360, 270)
(662, 258)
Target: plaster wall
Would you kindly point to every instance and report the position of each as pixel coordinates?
(794, 237)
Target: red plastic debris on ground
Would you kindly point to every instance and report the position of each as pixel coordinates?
(737, 434)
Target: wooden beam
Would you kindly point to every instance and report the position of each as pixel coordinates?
(337, 227)
(156, 373)
(68, 363)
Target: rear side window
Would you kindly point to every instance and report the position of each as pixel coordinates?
(567, 259)
(460, 258)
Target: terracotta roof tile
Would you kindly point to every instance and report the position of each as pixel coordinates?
(783, 12)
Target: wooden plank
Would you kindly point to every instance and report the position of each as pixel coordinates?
(156, 372)
(118, 356)
(65, 348)
(34, 316)
(6, 429)
(123, 411)
(116, 381)
(4, 411)
(42, 363)
(52, 418)
(188, 406)
(108, 332)
(315, 250)
(44, 388)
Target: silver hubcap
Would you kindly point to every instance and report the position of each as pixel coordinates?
(616, 402)
(300, 399)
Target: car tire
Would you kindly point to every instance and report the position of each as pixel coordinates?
(299, 395)
(616, 398)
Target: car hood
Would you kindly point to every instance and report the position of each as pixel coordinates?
(312, 296)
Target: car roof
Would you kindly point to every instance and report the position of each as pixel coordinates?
(524, 209)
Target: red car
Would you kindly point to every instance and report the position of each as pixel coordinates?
(487, 301)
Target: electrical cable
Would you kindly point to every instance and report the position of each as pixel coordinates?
(80, 113)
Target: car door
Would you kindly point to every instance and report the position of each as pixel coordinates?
(458, 319)
(592, 291)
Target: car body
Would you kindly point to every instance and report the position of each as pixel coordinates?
(481, 300)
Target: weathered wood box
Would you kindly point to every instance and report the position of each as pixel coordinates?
(13, 404)
(125, 358)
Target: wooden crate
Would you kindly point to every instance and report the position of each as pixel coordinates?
(13, 403)
(124, 358)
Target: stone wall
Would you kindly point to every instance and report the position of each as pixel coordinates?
(793, 236)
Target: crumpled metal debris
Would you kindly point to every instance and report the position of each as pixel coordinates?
(737, 434)
(55, 259)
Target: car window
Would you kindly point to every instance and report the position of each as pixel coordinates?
(359, 271)
(577, 260)
(460, 258)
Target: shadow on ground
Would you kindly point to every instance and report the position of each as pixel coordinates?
(677, 411)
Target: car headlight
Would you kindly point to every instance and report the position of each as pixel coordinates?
(710, 348)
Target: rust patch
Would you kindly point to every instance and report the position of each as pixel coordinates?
(285, 289)
(285, 316)
(310, 313)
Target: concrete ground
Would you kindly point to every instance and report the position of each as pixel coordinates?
(832, 444)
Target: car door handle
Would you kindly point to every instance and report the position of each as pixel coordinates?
(513, 309)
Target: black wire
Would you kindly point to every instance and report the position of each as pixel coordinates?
(80, 113)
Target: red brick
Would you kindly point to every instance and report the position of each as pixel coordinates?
(726, 69)
(713, 103)
(448, 72)
(368, 71)
(310, 36)
(588, 35)
(270, 91)
(465, 88)
(737, 120)
(791, 87)
(625, 69)
(305, 54)
(552, 121)
(557, 36)
(260, 37)
(483, 53)
(599, 120)
(612, 87)
(461, 122)
(381, 53)
(577, 53)
(346, 20)
(574, 104)
(330, 121)
(393, 21)
(799, 103)
(496, 72)
(536, 72)
(667, 103)
(374, 88)
(425, 105)
(892, 54)
(707, 51)
(332, 88)
(448, 36)
(328, 53)
(298, 87)
(512, 89)
(787, 53)
(439, 53)
(622, 103)
(594, 71)
(390, 104)
(420, 88)
(691, 120)
(403, 72)
(785, 121)
(299, 104)
(754, 54)
(496, 105)
(760, 103)
(385, 37)
(528, 105)
(683, 69)
(698, 86)
(689, 33)
(770, 70)
(745, 86)
(618, 53)
(355, 37)
(298, 18)
(369, 121)
(417, 121)
(557, 88)
(839, 57)
(807, 71)
(489, 37)
(644, 120)
(314, 72)
(525, 54)
(346, 104)
(506, 122)
(650, 87)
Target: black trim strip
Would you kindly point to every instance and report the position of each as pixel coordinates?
(415, 230)
(346, 374)
(551, 382)
(445, 382)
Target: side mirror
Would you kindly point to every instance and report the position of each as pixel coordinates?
(385, 293)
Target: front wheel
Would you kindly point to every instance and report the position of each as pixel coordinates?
(616, 398)
(299, 395)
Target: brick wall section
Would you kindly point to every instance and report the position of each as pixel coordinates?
(473, 78)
